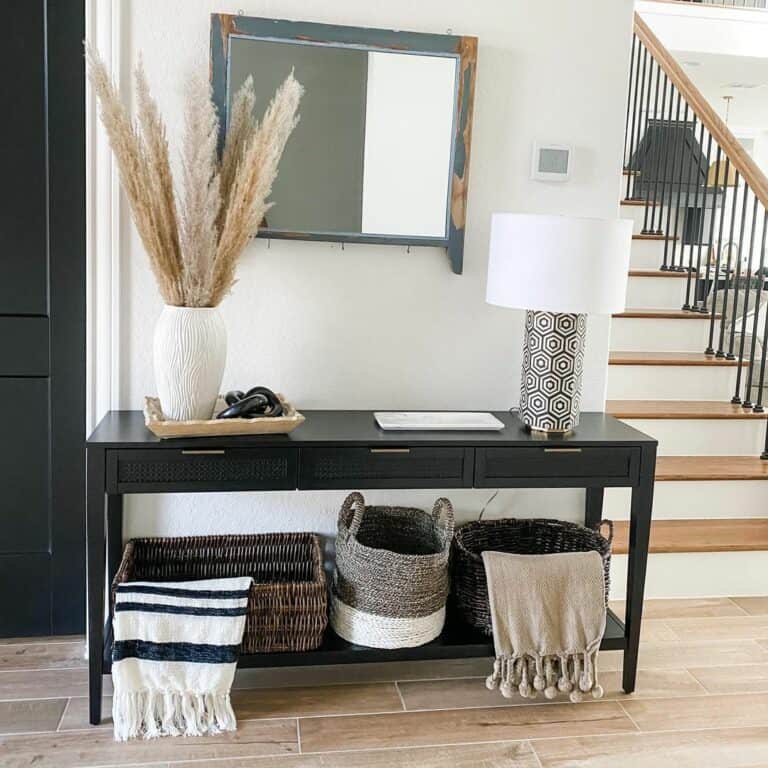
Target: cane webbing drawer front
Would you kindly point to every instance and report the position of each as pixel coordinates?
(238, 469)
(564, 467)
(376, 467)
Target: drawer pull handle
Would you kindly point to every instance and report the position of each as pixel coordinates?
(562, 450)
(204, 452)
(390, 450)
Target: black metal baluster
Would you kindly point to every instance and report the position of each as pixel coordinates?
(707, 284)
(758, 294)
(724, 312)
(638, 123)
(761, 381)
(661, 131)
(716, 250)
(627, 155)
(683, 158)
(718, 257)
(673, 131)
(699, 235)
(739, 248)
(736, 399)
(642, 53)
(646, 190)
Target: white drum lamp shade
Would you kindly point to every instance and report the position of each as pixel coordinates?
(559, 269)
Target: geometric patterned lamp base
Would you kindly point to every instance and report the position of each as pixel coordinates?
(553, 361)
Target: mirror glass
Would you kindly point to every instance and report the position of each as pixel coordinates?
(372, 154)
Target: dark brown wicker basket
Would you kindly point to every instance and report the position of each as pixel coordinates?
(520, 537)
(288, 604)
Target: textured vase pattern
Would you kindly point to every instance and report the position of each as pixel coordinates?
(553, 361)
(190, 350)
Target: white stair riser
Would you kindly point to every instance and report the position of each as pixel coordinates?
(670, 382)
(646, 254)
(704, 437)
(655, 292)
(697, 574)
(640, 334)
(636, 214)
(691, 499)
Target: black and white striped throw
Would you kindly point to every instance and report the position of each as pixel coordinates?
(174, 656)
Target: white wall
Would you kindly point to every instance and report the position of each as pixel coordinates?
(375, 326)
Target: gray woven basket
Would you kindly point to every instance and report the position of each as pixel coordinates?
(391, 569)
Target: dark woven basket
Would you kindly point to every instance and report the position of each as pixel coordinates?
(288, 604)
(520, 537)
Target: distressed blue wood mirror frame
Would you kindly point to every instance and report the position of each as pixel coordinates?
(226, 27)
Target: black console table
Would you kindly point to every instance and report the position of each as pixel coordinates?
(346, 450)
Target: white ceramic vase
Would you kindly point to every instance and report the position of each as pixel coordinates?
(190, 350)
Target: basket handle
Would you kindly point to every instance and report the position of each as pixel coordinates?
(351, 514)
(609, 523)
(442, 514)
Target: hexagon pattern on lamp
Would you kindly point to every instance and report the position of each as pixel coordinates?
(553, 361)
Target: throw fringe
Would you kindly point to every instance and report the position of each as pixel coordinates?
(528, 674)
(151, 714)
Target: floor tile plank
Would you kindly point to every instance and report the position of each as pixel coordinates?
(255, 703)
(35, 715)
(684, 608)
(747, 678)
(464, 726)
(516, 754)
(733, 628)
(46, 684)
(43, 656)
(728, 748)
(755, 606)
(715, 711)
(471, 692)
(97, 747)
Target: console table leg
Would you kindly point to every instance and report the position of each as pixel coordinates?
(95, 555)
(593, 508)
(639, 535)
(114, 535)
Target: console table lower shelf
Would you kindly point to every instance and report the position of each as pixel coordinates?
(457, 641)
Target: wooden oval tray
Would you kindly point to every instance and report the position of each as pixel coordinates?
(260, 425)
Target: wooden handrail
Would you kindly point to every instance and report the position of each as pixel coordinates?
(728, 143)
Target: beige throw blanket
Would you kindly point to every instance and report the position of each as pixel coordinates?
(548, 615)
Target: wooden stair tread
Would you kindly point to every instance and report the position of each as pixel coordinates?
(679, 409)
(699, 535)
(669, 358)
(634, 202)
(664, 314)
(657, 273)
(650, 236)
(673, 468)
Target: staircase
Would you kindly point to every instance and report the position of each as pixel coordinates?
(686, 366)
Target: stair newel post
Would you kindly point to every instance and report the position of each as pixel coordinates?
(627, 147)
(690, 303)
(745, 309)
(716, 283)
(710, 282)
(646, 189)
(756, 314)
(662, 134)
(637, 120)
(682, 175)
(727, 280)
(737, 279)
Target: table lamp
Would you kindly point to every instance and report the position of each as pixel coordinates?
(558, 269)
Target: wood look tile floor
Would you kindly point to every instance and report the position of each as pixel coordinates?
(701, 702)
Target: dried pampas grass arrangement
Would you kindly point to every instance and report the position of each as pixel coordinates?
(194, 237)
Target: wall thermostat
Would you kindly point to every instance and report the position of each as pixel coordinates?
(551, 162)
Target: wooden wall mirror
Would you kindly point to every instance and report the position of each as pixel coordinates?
(382, 150)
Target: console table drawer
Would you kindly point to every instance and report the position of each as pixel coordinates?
(237, 469)
(563, 467)
(385, 467)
